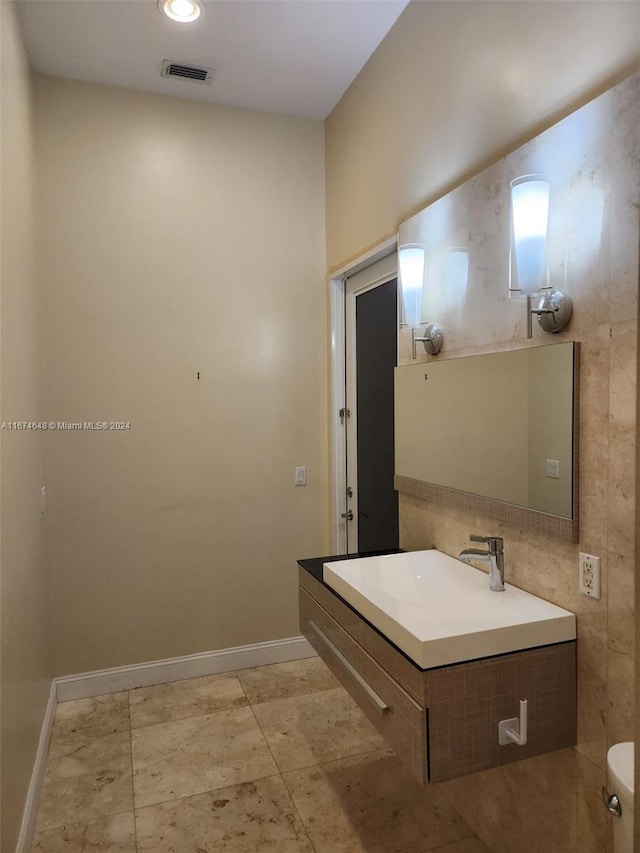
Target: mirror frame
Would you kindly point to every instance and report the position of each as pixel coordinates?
(511, 514)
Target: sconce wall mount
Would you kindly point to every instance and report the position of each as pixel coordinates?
(553, 311)
(432, 340)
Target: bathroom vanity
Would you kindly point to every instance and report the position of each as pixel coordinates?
(436, 660)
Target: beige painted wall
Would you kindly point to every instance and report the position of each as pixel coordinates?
(25, 665)
(592, 160)
(179, 238)
(453, 87)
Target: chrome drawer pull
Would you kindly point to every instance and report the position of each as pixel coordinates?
(380, 704)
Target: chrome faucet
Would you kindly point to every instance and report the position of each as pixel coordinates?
(494, 556)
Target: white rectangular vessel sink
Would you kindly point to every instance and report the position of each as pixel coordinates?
(440, 611)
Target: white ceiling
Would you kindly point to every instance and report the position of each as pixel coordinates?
(294, 57)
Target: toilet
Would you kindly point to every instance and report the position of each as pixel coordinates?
(620, 766)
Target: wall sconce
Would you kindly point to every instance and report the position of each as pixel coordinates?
(411, 264)
(529, 270)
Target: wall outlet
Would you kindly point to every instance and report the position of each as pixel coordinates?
(43, 499)
(589, 575)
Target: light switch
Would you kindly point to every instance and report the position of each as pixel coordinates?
(301, 476)
(553, 468)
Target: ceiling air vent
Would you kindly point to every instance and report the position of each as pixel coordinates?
(197, 73)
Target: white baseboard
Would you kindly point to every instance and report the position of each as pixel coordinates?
(89, 684)
(30, 812)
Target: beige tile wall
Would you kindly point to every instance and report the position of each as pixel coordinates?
(552, 803)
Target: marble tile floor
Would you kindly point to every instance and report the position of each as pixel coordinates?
(276, 758)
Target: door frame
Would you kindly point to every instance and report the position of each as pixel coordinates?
(339, 367)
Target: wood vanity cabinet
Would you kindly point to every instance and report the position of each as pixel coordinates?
(442, 722)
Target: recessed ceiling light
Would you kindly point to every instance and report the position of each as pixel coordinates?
(183, 11)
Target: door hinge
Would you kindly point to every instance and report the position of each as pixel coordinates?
(344, 413)
(349, 492)
(348, 515)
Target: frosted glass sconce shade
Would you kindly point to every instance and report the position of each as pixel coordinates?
(411, 261)
(529, 226)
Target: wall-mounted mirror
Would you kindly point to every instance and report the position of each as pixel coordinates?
(496, 433)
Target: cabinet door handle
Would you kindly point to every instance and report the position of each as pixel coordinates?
(380, 704)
